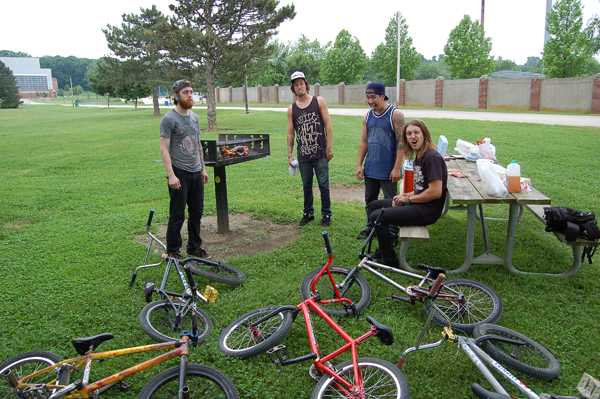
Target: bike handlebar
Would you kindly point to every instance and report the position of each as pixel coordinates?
(436, 285)
(327, 245)
(150, 216)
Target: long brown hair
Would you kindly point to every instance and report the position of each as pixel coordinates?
(427, 141)
(305, 82)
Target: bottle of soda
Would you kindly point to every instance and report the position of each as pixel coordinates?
(514, 177)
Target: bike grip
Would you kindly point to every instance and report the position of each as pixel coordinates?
(190, 276)
(150, 216)
(436, 285)
(327, 245)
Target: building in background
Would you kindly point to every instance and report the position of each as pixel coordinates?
(31, 79)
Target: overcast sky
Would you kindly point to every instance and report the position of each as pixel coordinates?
(67, 27)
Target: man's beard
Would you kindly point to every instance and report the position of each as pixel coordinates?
(186, 104)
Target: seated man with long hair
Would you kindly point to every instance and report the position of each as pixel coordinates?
(425, 204)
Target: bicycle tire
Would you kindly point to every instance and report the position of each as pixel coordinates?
(358, 290)
(531, 358)
(483, 305)
(381, 379)
(28, 363)
(157, 319)
(215, 271)
(238, 340)
(203, 381)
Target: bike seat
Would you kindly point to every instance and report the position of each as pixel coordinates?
(384, 333)
(435, 271)
(82, 345)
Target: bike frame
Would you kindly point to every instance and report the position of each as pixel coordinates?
(320, 362)
(82, 389)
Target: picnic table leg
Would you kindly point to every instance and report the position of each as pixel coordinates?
(471, 212)
(402, 257)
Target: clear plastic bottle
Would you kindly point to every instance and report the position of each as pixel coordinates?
(514, 177)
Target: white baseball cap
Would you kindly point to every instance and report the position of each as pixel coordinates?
(297, 75)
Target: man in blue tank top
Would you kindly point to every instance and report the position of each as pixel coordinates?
(308, 116)
(381, 145)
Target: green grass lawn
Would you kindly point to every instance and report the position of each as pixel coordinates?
(77, 185)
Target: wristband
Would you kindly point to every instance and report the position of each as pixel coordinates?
(408, 200)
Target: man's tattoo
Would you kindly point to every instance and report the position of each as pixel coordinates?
(329, 151)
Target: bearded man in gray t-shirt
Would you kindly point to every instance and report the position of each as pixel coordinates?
(181, 153)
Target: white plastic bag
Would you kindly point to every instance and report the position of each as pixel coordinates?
(472, 152)
(492, 182)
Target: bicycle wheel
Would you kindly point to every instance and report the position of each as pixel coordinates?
(357, 290)
(203, 382)
(381, 379)
(531, 358)
(160, 321)
(215, 271)
(28, 363)
(242, 341)
(483, 305)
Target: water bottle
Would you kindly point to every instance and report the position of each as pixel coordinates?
(409, 173)
(514, 177)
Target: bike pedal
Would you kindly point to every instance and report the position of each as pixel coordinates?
(279, 354)
(589, 387)
(124, 387)
(148, 290)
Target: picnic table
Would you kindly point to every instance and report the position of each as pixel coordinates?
(470, 192)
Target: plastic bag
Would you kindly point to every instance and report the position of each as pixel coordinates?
(492, 182)
(484, 149)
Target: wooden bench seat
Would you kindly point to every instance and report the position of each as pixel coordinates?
(577, 245)
(414, 233)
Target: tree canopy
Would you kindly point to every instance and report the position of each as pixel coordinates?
(222, 35)
(467, 52)
(68, 68)
(308, 57)
(568, 51)
(385, 56)
(345, 61)
(142, 38)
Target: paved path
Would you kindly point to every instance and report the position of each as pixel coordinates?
(544, 119)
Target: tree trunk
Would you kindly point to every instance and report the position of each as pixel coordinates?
(210, 97)
(155, 100)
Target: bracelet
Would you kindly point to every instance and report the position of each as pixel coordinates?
(408, 200)
(290, 155)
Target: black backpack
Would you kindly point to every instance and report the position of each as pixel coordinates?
(573, 224)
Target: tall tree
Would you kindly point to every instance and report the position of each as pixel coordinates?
(345, 61)
(223, 36)
(567, 53)
(102, 78)
(385, 57)
(9, 91)
(143, 38)
(468, 50)
(308, 57)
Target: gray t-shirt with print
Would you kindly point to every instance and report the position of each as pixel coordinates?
(184, 133)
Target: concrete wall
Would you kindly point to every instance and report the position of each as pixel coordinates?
(580, 95)
(509, 93)
(461, 93)
(569, 94)
(420, 93)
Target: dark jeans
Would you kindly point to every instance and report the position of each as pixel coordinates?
(372, 187)
(407, 215)
(320, 168)
(191, 194)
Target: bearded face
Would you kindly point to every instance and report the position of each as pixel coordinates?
(186, 103)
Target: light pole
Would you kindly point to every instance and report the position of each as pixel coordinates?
(398, 66)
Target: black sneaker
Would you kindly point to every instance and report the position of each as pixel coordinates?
(175, 255)
(306, 219)
(363, 234)
(377, 255)
(198, 253)
(326, 220)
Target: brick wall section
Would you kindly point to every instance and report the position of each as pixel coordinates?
(276, 94)
(483, 84)
(402, 93)
(534, 99)
(217, 94)
(439, 91)
(341, 90)
(259, 94)
(596, 95)
(230, 94)
(317, 87)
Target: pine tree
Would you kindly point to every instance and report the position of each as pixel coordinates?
(9, 91)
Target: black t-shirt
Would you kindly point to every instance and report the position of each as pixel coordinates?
(431, 167)
(310, 131)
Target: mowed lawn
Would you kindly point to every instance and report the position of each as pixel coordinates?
(78, 182)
